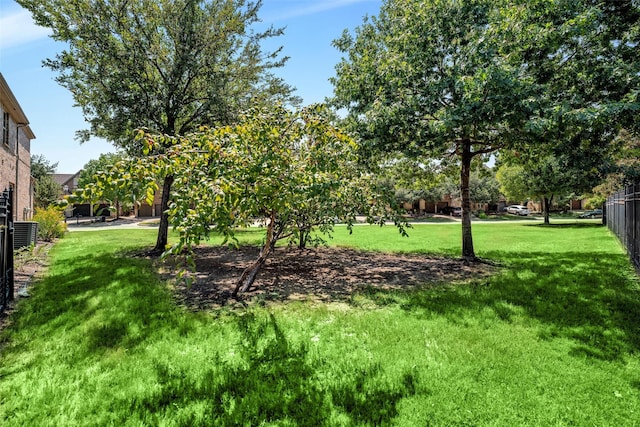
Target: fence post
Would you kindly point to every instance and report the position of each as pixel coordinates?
(3, 260)
(6, 249)
(623, 219)
(11, 230)
(632, 231)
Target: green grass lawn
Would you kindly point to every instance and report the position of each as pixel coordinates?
(551, 340)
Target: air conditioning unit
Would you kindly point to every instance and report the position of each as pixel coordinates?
(25, 233)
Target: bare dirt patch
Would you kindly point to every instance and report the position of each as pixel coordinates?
(322, 274)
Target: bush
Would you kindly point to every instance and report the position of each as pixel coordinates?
(595, 202)
(50, 223)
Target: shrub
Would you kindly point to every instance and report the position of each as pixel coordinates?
(595, 202)
(50, 223)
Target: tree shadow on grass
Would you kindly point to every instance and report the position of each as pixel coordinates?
(103, 298)
(271, 380)
(571, 225)
(591, 298)
(107, 302)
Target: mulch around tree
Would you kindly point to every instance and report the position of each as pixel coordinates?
(324, 274)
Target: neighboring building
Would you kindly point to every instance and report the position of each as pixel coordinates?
(68, 183)
(145, 210)
(15, 153)
(422, 206)
(577, 204)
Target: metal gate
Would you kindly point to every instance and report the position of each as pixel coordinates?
(623, 219)
(6, 248)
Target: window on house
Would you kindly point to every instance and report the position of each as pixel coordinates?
(5, 129)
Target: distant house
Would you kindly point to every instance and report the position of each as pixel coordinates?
(15, 153)
(68, 184)
(68, 181)
(422, 206)
(154, 209)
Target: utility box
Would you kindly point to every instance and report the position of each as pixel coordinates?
(25, 233)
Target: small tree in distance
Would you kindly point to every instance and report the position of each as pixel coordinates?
(119, 189)
(549, 177)
(543, 179)
(47, 190)
(624, 167)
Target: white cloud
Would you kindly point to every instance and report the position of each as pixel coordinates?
(312, 7)
(18, 28)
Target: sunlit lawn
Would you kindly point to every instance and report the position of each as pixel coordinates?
(551, 340)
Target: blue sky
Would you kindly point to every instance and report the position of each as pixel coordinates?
(310, 27)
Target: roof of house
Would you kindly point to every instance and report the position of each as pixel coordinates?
(64, 178)
(13, 107)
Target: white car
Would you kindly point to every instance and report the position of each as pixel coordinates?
(518, 210)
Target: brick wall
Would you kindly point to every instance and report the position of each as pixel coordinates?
(24, 209)
(9, 162)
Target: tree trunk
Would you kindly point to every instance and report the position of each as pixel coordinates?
(250, 273)
(546, 202)
(468, 254)
(163, 230)
(304, 238)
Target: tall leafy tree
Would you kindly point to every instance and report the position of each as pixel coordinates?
(165, 65)
(624, 166)
(426, 77)
(457, 80)
(41, 167)
(585, 56)
(47, 190)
